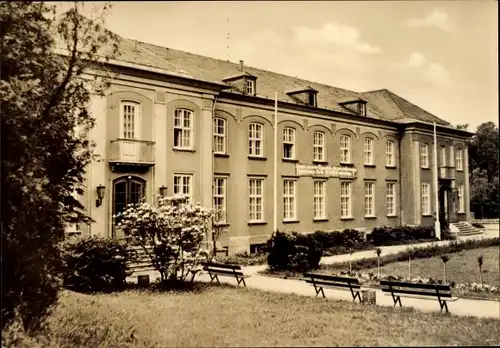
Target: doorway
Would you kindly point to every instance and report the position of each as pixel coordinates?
(126, 190)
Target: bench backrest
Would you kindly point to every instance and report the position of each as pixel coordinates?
(444, 290)
(221, 266)
(333, 279)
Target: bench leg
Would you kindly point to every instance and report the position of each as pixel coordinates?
(444, 305)
(241, 280)
(354, 295)
(193, 275)
(214, 277)
(318, 290)
(396, 299)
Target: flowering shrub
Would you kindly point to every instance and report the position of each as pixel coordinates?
(171, 234)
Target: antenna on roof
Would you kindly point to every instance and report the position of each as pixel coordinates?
(228, 39)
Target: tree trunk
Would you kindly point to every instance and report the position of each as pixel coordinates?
(445, 272)
(480, 275)
(409, 267)
(378, 262)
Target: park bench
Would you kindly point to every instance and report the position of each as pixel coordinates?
(440, 292)
(320, 281)
(226, 270)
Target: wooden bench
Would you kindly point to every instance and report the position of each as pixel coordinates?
(226, 270)
(440, 292)
(320, 281)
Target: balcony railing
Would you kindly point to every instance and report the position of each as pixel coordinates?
(132, 151)
(447, 172)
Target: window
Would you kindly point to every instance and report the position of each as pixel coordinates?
(288, 143)
(461, 201)
(255, 139)
(362, 109)
(459, 159)
(312, 99)
(319, 146)
(345, 149)
(183, 129)
(220, 199)
(426, 198)
(424, 156)
(345, 199)
(369, 151)
(369, 199)
(219, 135)
(183, 185)
(289, 206)
(389, 153)
(255, 193)
(130, 120)
(390, 198)
(319, 199)
(250, 86)
(443, 156)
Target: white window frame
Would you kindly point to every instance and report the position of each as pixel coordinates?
(459, 160)
(289, 140)
(179, 185)
(219, 138)
(289, 200)
(390, 153)
(390, 198)
(362, 109)
(220, 198)
(126, 132)
(443, 156)
(345, 148)
(369, 199)
(424, 155)
(250, 86)
(256, 139)
(319, 146)
(185, 139)
(256, 200)
(425, 192)
(461, 198)
(319, 199)
(368, 146)
(345, 200)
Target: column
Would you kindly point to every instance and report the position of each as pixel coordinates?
(207, 157)
(466, 184)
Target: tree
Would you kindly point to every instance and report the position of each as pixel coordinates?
(462, 126)
(480, 189)
(480, 264)
(170, 233)
(378, 251)
(445, 259)
(44, 96)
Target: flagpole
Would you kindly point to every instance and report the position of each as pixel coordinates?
(275, 179)
(437, 223)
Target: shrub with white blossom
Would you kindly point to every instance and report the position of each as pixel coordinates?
(171, 233)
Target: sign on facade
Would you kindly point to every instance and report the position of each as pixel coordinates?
(327, 171)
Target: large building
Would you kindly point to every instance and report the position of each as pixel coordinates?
(176, 122)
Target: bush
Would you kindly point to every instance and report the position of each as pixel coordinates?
(95, 264)
(477, 225)
(396, 235)
(244, 259)
(293, 251)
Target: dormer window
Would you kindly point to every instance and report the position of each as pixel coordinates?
(307, 96)
(357, 106)
(242, 82)
(250, 86)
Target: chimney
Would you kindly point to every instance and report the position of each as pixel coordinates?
(241, 65)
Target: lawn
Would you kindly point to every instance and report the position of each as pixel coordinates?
(227, 316)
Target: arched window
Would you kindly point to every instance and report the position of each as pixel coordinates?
(130, 120)
(345, 149)
(255, 140)
(288, 143)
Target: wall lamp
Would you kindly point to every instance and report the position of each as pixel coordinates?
(100, 195)
(163, 190)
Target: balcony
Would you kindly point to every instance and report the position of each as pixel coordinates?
(447, 172)
(132, 152)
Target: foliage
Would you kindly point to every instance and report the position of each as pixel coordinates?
(170, 232)
(244, 259)
(477, 225)
(95, 264)
(484, 168)
(44, 144)
(293, 251)
(396, 235)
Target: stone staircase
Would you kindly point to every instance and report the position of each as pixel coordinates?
(464, 229)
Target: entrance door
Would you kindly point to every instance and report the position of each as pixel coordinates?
(126, 191)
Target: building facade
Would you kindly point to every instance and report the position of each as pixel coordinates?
(176, 122)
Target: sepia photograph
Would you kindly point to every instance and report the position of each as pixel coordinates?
(249, 174)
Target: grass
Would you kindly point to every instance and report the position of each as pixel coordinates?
(226, 316)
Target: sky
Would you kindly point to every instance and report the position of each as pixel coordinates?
(441, 56)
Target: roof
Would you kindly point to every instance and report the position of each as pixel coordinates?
(382, 104)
